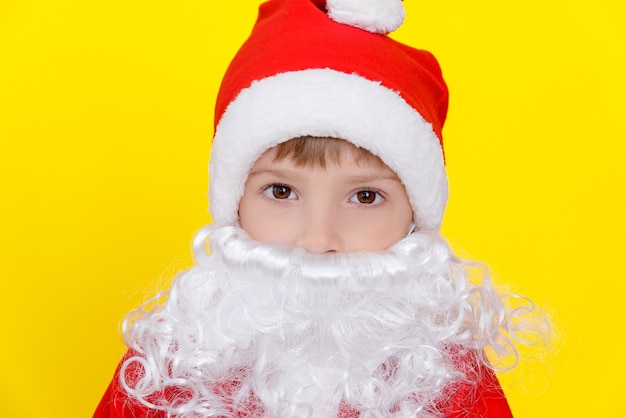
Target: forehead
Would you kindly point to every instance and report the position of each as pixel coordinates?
(348, 166)
(318, 151)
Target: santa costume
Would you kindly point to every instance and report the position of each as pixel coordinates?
(260, 330)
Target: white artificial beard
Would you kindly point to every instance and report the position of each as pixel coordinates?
(262, 330)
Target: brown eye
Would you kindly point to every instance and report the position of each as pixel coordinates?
(366, 196)
(281, 192)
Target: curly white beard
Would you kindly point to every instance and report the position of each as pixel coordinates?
(263, 330)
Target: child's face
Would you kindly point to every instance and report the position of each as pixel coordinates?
(345, 206)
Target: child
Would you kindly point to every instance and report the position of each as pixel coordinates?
(323, 288)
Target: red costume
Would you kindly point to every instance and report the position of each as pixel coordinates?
(327, 69)
(486, 400)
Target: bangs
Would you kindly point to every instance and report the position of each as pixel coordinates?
(315, 151)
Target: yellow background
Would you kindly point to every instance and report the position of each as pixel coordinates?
(105, 126)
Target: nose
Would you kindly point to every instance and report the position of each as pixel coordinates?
(319, 232)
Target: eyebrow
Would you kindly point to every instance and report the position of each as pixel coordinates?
(275, 172)
(351, 179)
(365, 178)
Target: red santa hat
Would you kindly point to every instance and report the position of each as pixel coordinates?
(328, 68)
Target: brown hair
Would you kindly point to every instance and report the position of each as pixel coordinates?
(315, 151)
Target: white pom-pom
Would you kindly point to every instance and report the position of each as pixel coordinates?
(377, 16)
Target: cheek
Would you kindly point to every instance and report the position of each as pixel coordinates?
(377, 231)
(251, 218)
(262, 222)
(378, 237)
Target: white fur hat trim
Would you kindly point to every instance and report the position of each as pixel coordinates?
(325, 102)
(377, 16)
